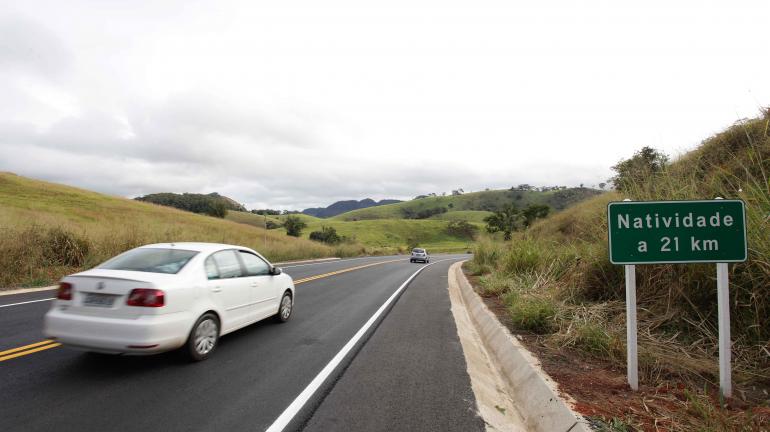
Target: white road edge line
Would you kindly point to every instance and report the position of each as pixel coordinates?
(288, 414)
(31, 301)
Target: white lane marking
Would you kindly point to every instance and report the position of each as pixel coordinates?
(31, 301)
(288, 414)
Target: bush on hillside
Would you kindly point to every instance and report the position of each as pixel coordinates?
(294, 226)
(327, 235)
(422, 214)
(644, 165)
(462, 229)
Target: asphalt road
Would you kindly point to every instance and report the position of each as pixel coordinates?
(406, 373)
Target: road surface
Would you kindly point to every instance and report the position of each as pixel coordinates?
(404, 372)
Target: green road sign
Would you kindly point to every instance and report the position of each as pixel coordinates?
(656, 232)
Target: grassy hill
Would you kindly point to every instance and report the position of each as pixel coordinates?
(386, 234)
(49, 230)
(475, 201)
(556, 279)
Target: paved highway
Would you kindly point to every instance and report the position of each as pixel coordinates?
(363, 352)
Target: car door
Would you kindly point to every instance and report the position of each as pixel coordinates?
(262, 284)
(229, 289)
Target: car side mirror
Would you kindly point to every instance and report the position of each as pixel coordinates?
(275, 271)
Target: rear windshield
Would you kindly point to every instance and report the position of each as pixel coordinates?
(418, 251)
(151, 260)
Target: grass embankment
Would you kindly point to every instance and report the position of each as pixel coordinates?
(556, 281)
(49, 230)
(483, 201)
(387, 235)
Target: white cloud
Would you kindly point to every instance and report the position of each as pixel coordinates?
(301, 104)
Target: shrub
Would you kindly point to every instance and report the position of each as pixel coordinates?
(462, 229)
(294, 226)
(327, 235)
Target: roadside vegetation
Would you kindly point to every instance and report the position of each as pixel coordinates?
(557, 286)
(49, 230)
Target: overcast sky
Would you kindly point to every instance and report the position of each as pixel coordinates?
(292, 104)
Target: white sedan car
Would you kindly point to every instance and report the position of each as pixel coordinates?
(161, 297)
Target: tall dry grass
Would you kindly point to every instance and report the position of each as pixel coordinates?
(563, 262)
(49, 230)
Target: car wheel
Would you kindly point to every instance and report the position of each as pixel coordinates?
(411, 260)
(285, 309)
(204, 337)
(427, 261)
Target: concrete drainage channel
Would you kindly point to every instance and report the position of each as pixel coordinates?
(533, 393)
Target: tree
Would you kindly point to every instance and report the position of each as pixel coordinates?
(534, 212)
(638, 169)
(506, 221)
(294, 226)
(216, 209)
(327, 235)
(602, 185)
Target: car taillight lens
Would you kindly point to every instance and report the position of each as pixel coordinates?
(146, 297)
(65, 291)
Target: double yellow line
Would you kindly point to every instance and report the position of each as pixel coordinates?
(48, 344)
(27, 349)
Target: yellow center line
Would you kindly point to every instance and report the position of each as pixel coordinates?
(325, 275)
(27, 349)
(22, 348)
(48, 344)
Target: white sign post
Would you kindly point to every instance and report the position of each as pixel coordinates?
(631, 352)
(723, 309)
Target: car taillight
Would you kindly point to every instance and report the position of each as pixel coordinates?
(65, 291)
(146, 297)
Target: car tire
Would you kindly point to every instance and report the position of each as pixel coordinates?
(285, 308)
(203, 338)
(427, 261)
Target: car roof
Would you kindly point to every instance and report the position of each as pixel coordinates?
(195, 246)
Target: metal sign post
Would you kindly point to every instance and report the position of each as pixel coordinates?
(668, 232)
(723, 309)
(631, 352)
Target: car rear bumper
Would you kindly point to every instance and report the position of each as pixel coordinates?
(147, 334)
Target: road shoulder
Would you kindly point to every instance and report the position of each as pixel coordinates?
(495, 405)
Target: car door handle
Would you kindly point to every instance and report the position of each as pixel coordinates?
(216, 289)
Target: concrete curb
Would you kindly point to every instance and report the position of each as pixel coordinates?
(534, 392)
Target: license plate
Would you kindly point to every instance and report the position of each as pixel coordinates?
(98, 300)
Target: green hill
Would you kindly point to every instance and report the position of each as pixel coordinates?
(475, 201)
(389, 234)
(49, 230)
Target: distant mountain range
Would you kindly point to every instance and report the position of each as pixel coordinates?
(345, 206)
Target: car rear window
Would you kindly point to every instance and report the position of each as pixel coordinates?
(418, 251)
(153, 260)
